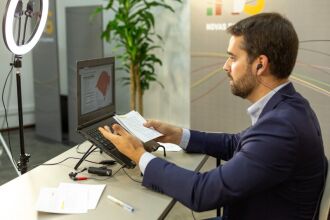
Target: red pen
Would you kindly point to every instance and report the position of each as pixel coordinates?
(80, 178)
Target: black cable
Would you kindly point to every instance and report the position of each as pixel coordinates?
(130, 176)
(80, 152)
(57, 163)
(118, 170)
(161, 146)
(6, 115)
(9, 89)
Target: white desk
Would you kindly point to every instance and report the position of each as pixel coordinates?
(18, 197)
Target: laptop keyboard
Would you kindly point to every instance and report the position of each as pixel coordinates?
(109, 148)
(96, 134)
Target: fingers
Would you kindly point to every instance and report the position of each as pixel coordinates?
(152, 123)
(106, 132)
(107, 128)
(119, 130)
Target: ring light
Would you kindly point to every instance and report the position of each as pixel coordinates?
(14, 10)
(8, 28)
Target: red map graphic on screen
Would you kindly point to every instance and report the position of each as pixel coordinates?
(103, 82)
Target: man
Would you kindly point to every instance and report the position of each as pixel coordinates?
(276, 168)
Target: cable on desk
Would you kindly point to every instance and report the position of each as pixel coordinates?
(57, 163)
(103, 162)
(118, 170)
(131, 177)
(80, 152)
(164, 150)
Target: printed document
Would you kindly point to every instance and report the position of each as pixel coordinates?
(133, 123)
(69, 198)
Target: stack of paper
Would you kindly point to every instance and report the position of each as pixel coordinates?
(133, 123)
(69, 198)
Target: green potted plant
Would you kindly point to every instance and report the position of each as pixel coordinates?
(133, 29)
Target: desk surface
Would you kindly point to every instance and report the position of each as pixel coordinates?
(18, 197)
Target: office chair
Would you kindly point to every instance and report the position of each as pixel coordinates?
(325, 201)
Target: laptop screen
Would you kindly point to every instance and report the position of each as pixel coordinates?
(95, 89)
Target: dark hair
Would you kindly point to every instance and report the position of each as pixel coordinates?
(272, 35)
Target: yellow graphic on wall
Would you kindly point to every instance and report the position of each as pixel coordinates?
(254, 9)
(49, 29)
(215, 7)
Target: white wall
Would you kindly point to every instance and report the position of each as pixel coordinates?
(172, 104)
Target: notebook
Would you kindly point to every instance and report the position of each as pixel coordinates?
(96, 104)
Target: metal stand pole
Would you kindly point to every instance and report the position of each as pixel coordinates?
(24, 158)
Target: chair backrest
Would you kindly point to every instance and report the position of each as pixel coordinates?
(325, 201)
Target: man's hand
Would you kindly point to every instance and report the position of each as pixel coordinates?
(171, 134)
(124, 142)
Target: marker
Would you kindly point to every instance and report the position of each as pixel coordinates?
(120, 203)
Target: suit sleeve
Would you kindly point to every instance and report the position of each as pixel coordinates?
(265, 158)
(218, 145)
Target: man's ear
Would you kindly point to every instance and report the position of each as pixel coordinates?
(262, 62)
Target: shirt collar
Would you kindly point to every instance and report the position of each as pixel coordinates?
(256, 108)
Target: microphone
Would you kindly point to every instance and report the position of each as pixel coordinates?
(100, 171)
(19, 9)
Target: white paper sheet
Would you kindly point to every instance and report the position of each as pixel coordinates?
(54, 201)
(93, 192)
(69, 198)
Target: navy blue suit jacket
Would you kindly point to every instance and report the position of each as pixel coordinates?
(275, 169)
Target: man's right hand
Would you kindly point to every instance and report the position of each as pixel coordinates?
(171, 133)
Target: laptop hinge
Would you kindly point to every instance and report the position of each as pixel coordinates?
(94, 121)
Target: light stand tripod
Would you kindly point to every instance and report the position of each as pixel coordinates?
(14, 9)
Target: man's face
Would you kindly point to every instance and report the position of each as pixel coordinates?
(242, 79)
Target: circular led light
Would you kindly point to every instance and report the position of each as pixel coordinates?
(8, 28)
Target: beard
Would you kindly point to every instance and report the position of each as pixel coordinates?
(244, 86)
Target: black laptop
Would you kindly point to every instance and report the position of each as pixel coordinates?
(96, 104)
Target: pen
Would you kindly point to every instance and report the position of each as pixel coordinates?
(122, 204)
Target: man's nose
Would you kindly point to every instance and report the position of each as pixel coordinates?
(226, 67)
